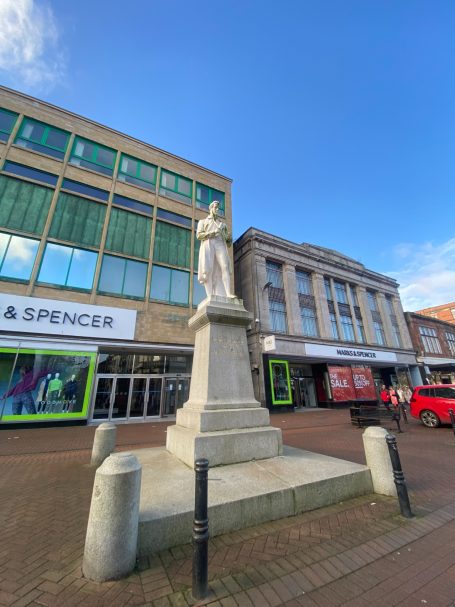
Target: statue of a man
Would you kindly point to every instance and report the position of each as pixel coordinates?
(214, 263)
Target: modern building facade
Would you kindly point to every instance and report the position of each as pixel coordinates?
(444, 312)
(327, 330)
(434, 342)
(98, 267)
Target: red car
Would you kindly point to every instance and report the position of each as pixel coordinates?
(431, 404)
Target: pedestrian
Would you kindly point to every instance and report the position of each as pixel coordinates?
(385, 396)
(393, 396)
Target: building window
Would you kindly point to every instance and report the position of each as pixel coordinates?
(333, 324)
(451, 342)
(453, 312)
(347, 327)
(176, 187)
(129, 233)
(87, 190)
(78, 220)
(137, 172)
(7, 122)
(94, 156)
(389, 305)
(355, 301)
(304, 284)
(309, 321)
(396, 335)
(24, 206)
(172, 245)
(361, 330)
(340, 292)
(124, 277)
(169, 285)
(43, 138)
(198, 291)
(68, 267)
(205, 196)
(277, 310)
(29, 173)
(274, 274)
(328, 290)
(168, 216)
(430, 340)
(133, 205)
(372, 303)
(17, 256)
(379, 332)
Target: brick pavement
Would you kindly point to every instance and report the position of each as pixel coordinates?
(351, 554)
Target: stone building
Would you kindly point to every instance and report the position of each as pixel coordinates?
(434, 342)
(98, 262)
(444, 312)
(327, 330)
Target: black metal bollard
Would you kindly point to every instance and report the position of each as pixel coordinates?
(200, 531)
(398, 477)
(452, 419)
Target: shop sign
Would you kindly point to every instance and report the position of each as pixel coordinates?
(347, 353)
(363, 383)
(269, 343)
(50, 316)
(341, 383)
(280, 382)
(44, 385)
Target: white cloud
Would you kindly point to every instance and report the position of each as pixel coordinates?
(427, 277)
(29, 44)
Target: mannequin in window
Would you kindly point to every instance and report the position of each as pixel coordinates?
(54, 390)
(215, 266)
(69, 394)
(42, 394)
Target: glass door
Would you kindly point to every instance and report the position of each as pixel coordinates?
(103, 394)
(176, 391)
(119, 406)
(155, 385)
(138, 397)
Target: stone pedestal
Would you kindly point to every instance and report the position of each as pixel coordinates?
(222, 421)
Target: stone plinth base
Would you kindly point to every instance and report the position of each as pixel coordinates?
(222, 421)
(240, 495)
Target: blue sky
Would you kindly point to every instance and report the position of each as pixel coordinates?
(334, 118)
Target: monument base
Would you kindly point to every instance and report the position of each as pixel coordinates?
(240, 495)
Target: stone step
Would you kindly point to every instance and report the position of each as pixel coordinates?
(240, 495)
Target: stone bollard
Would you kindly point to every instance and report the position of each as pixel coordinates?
(378, 460)
(112, 530)
(104, 443)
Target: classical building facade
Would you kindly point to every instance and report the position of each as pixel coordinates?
(434, 342)
(327, 330)
(444, 312)
(98, 267)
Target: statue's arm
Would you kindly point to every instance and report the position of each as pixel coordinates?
(201, 234)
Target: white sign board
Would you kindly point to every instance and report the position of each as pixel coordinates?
(50, 316)
(269, 343)
(349, 353)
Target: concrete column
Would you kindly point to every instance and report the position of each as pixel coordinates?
(386, 321)
(263, 299)
(404, 331)
(378, 460)
(322, 310)
(354, 319)
(292, 300)
(104, 443)
(112, 530)
(366, 316)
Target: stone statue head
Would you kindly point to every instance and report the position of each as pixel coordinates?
(213, 207)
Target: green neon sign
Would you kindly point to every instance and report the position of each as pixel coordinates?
(280, 382)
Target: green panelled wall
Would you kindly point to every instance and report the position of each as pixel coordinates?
(78, 220)
(23, 206)
(129, 233)
(172, 245)
(197, 246)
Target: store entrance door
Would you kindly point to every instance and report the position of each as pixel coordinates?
(176, 391)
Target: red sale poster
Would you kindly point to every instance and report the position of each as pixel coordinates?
(363, 383)
(341, 383)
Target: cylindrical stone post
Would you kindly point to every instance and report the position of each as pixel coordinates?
(104, 443)
(112, 530)
(378, 460)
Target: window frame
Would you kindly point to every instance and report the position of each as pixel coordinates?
(212, 196)
(430, 340)
(2, 260)
(175, 190)
(137, 177)
(450, 338)
(47, 129)
(108, 170)
(11, 113)
(66, 286)
(122, 294)
(169, 301)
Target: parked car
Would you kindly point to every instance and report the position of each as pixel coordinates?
(431, 404)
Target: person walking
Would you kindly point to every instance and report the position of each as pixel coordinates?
(385, 397)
